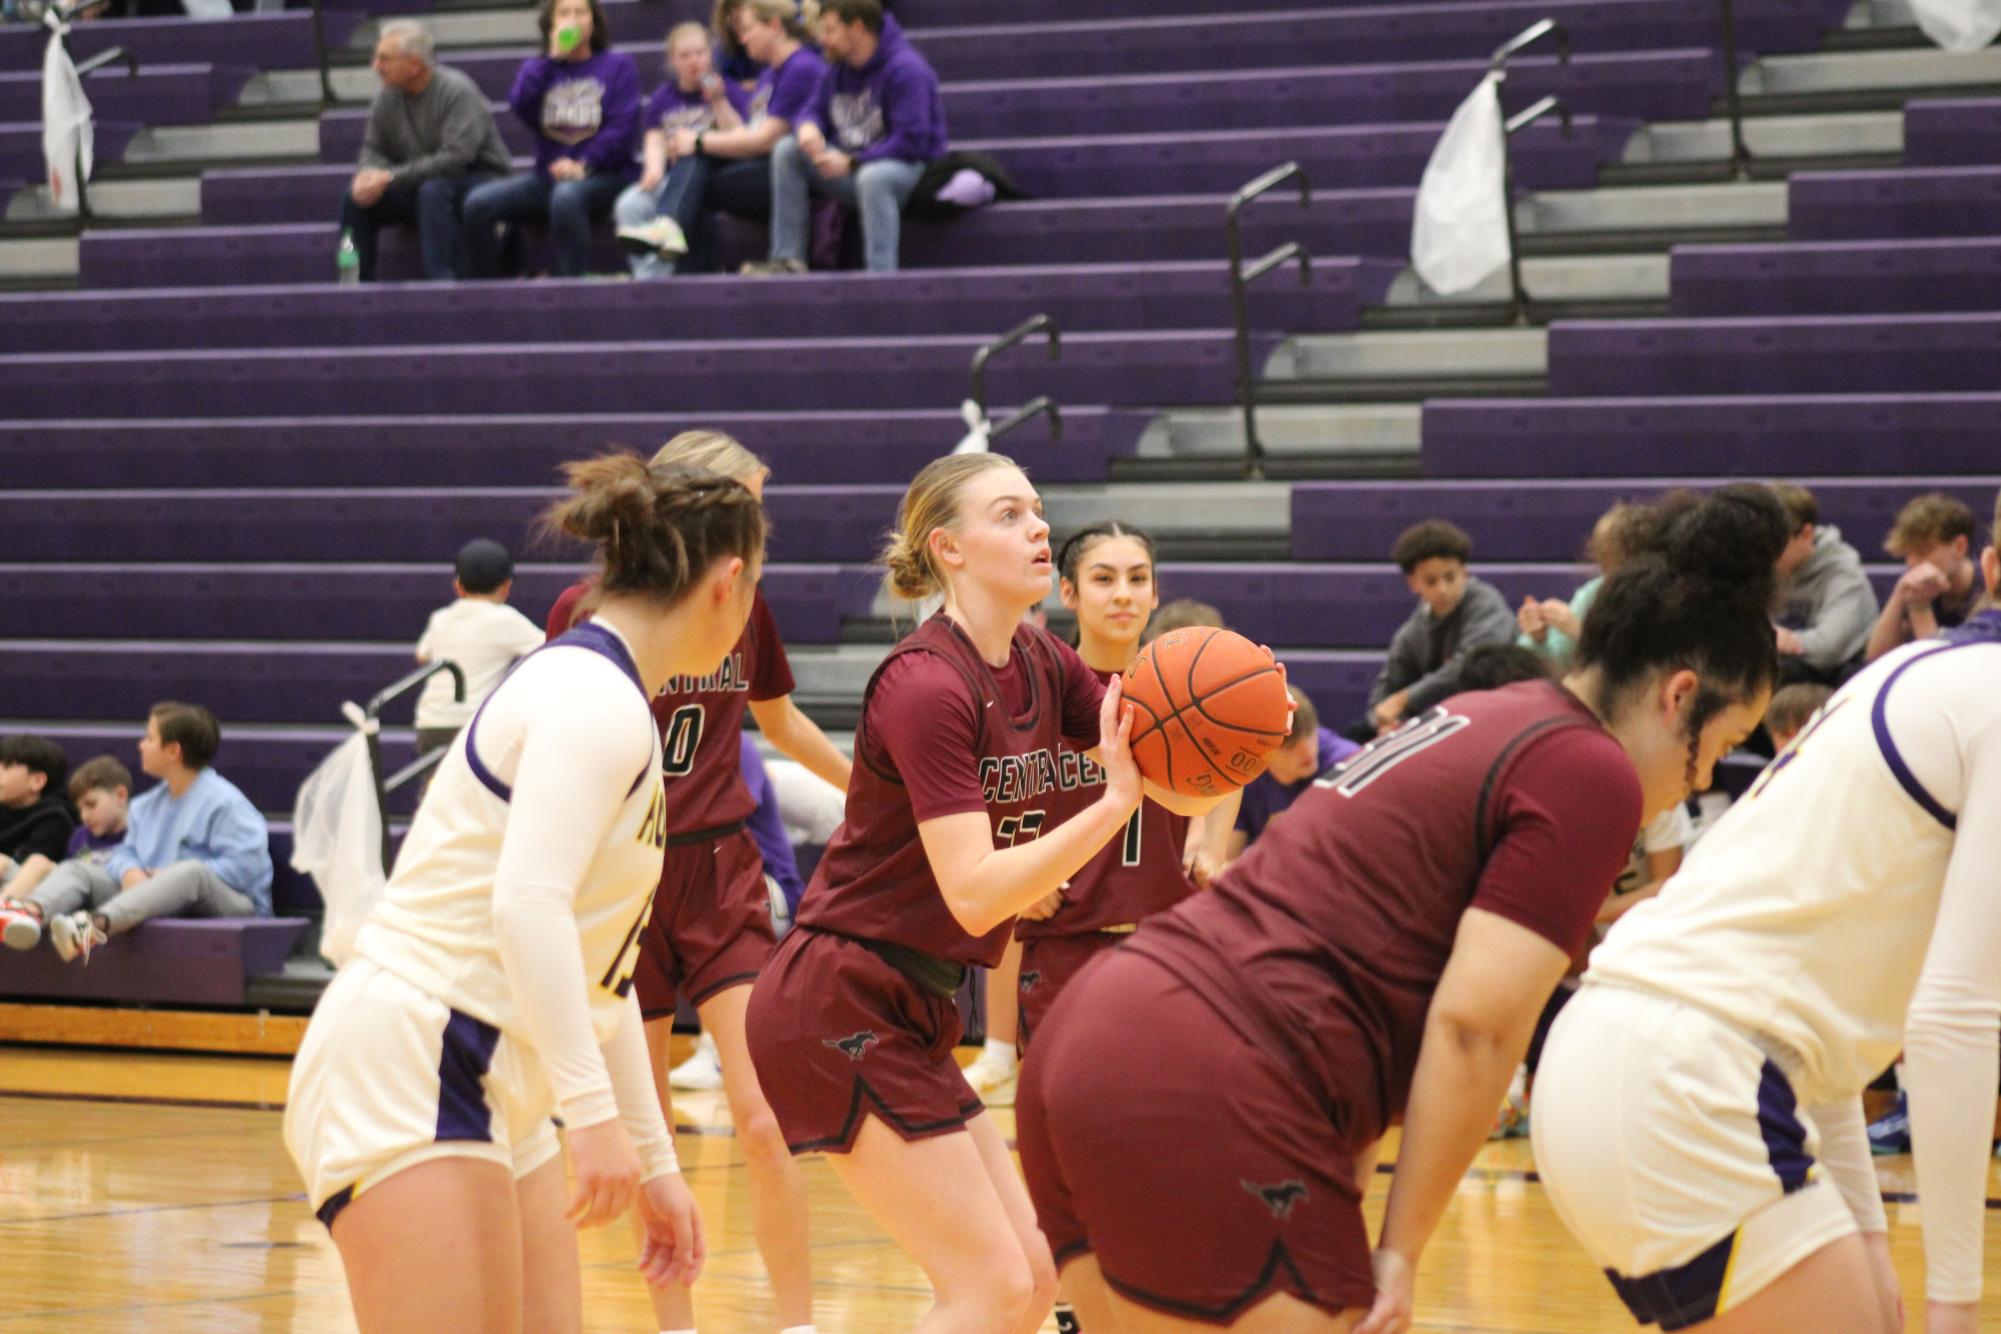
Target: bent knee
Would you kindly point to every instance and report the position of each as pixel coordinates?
(761, 1137)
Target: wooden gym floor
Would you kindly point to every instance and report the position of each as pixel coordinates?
(151, 1193)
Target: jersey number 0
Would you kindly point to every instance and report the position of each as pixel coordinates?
(681, 740)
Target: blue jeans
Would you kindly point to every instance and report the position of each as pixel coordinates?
(433, 206)
(696, 188)
(569, 208)
(877, 190)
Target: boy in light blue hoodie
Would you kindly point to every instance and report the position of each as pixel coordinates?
(194, 847)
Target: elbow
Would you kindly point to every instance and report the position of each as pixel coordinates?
(973, 917)
(1469, 1035)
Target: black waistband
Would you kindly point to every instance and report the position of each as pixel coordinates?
(940, 977)
(708, 835)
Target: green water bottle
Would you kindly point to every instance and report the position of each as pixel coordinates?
(347, 261)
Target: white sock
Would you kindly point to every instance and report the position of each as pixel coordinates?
(998, 1050)
(677, 1331)
(798, 1329)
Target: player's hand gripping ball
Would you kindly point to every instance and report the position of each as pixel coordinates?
(1209, 707)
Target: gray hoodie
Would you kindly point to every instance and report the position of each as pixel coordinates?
(1830, 603)
(1424, 656)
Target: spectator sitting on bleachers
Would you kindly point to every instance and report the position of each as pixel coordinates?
(479, 632)
(1455, 612)
(1181, 614)
(1491, 666)
(1551, 626)
(100, 790)
(431, 139)
(194, 847)
(694, 98)
(36, 818)
(1933, 536)
(582, 100)
(733, 61)
(1791, 708)
(881, 105)
(1828, 606)
(1310, 750)
(701, 170)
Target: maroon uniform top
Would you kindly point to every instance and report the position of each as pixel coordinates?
(701, 719)
(1326, 941)
(943, 733)
(1133, 877)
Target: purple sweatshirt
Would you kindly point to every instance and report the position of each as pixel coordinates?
(889, 108)
(670, 109)
(583, 109)
(767, 826)
(791, 91)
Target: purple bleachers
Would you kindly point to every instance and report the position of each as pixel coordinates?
(266, 763)
(265, 41)
(1138, 369)
(1359, 521)
(525, 450)
(1953, 132)
(1757, 436)
(1836, 277)
(159, 95)
(162, 963)
(21, 145)
(1920, 201)
(977, 301)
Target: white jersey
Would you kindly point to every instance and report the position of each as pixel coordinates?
(1806, 914)
(580, 696)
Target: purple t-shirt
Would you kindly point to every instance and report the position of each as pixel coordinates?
(1266, 797)
(93, 849)
(790, 90)
(587, 110)
(670, 109)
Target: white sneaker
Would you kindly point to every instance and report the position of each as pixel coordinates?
(662, 236)
(703, 1070)
(994, 1078)
(19, 928)
(74, 934)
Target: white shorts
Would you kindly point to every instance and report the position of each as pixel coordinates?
(1673, 1148)
(389, 1077)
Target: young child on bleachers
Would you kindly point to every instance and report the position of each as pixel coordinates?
(35, 815)
(194, 846)
(98, 790)
(1180, 614)
(1455, 612)
(1791, 707)
(1310, 750)
(479, 632)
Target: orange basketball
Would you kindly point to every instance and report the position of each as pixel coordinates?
(1209, 707)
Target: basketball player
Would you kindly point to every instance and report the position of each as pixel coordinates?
(1726, 1029)
(711, 930)
(491, 988)
(1202, 1112)
(948, 836)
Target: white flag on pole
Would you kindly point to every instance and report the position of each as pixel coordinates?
(1460, 233)
(66, 126)
(1959, 25)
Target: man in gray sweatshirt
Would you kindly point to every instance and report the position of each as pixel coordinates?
(431, 138)
(1455, 613)
(1829, 606)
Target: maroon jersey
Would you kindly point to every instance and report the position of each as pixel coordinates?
(701, 719)
(1325, 943)
(1133, 877)
(943, 733)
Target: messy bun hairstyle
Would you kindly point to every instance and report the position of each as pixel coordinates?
(931, 503)
(1696, 594)
(657, 527)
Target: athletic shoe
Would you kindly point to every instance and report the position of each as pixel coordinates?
(1892, 1134)
(19, 928)
(662, 236)
(700, 1072)
(772, 268)
(76, 933)
(994, 1079)
(1512, 1121)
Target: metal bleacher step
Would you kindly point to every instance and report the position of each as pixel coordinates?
(1630, 219)
(1409, 365)
(181, 150)
(161, 202)
(1842, 81)
(1675, 150)
(1876, 25)
(35, 263)
(301, 87)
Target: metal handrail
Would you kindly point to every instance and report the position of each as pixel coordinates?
(417, 768)
(1042, 406)
(1527, 37)
(1241, 277)
(1740, 154)
(1026, 329)
(1520, 308)
(320, 49)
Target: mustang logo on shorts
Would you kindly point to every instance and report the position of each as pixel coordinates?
(1279, 1197)
(855, 1045)
(1030, 979)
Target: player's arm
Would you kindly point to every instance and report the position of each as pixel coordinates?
(1210, 840)
(800, 738)
(984, 885)
(1950, 1034)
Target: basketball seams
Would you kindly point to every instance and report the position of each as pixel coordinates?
(1174, 721)
(1200, 705)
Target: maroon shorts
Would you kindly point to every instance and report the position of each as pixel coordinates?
(1048, 963)
(1186, 1159)
(711, 924)
(837, 1034)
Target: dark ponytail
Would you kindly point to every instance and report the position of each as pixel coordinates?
(657, 527)
(1696, 596)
